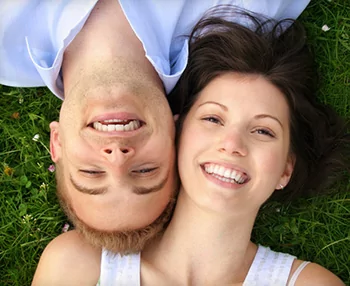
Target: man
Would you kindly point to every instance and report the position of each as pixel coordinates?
(112, 63)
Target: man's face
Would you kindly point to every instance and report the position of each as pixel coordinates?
(115, 142)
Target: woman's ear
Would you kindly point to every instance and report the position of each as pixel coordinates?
(287, 174)
(55, 143)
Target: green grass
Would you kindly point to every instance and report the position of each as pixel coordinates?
(30, 216)
(315, 229)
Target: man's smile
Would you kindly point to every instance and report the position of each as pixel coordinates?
(116, 125)
(120, 124)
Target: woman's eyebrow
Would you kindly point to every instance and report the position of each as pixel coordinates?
(224, 107)
(261, 116)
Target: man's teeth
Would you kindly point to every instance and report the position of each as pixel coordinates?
(225, 174)
(117, 125)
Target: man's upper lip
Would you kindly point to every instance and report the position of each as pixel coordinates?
(117, 115)
(119, 134)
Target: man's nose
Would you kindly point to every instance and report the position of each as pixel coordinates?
(117, 154)
(233, 142)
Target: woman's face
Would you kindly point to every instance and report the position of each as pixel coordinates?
(234, 145)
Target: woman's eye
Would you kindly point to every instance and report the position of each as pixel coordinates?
(265, 132)
(212, 119)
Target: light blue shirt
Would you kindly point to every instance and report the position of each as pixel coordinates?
(35, 33)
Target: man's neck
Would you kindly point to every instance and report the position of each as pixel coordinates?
(105, 37)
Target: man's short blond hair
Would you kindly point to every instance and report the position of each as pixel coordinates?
(117, 241)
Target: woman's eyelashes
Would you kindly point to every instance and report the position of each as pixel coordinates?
(213, 119)
(264, 132)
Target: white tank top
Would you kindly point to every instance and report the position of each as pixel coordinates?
(119, 270)
(269, 268)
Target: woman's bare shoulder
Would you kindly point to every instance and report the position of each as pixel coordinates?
(68, 260)
(314, 274)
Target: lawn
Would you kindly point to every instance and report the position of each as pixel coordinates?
(316, 229)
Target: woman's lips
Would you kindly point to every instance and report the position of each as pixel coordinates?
(225, 175)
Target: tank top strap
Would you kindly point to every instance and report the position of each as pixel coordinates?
(297, 272)
(269, 268)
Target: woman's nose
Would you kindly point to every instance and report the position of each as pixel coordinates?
(233, 143)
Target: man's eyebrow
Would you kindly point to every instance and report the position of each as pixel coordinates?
(135, 190)
(156, 188)
(86, 190)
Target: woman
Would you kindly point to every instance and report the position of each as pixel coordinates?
(249, 127)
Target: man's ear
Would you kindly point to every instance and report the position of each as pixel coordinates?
(55, 142)
(288, 171)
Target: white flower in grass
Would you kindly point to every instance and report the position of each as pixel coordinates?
(26, 218)
(36, 137)
(325, 28)
(43, 186)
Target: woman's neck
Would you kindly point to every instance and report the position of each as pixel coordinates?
(201, 247)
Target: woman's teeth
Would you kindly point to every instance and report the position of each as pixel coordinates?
(116, 125)
(225, 174)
